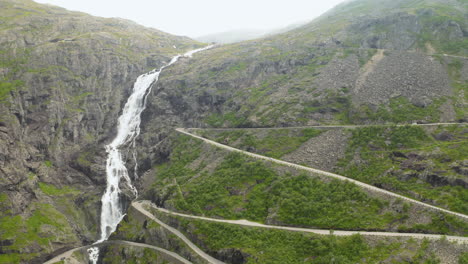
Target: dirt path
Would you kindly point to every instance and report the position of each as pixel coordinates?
(462, 240)
(175, 258)
(321, 172)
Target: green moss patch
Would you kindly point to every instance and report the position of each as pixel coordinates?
(49, 189)
(44, 226)
(399, 110)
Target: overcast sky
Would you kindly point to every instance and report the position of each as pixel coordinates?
(200, 17)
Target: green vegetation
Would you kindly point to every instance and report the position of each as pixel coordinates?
(184, 152)
(238, 187)
(454, 47)
(399, 110)
(463, 258)
(257, 94)
(7, 87)
(140, 229)
(260, 245)
(76, 103)
(48, 163)
(241, 66)
(45, 225)
(3, 198)
(130, 228)
(132, 255)
(86, 156)
(264, 103)
(384, 156)
(334, 102)
(230, 119)
(441, 40)
(460, 89)
(49, 189)
(276, 143)
(461, 107)
(454, 68)
(290, 94)
(15, 60)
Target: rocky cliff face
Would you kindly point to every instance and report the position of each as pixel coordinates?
(64, 77)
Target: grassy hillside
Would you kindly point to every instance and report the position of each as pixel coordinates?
(427, 164)
(238, 244)
(202, 180)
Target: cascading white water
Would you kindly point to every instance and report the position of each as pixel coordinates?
(128, 130)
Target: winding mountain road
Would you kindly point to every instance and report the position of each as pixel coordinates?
(453, 56)
(139, 206)
(175, 258)
(325, 173)
(323, 127)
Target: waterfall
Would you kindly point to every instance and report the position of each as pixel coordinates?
(128, 130)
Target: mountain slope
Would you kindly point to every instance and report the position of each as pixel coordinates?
(332, 70)
(63, 79)
(235, 244)
(425, 163)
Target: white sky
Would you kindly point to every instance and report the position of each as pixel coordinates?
(200, 17)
